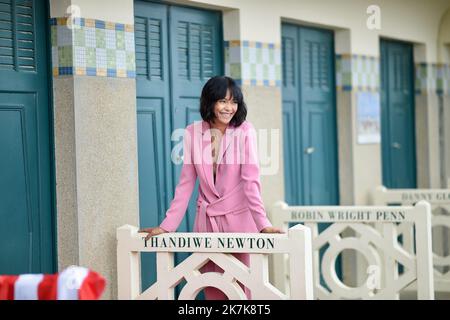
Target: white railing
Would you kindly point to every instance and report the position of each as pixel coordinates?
(373, 234)
(216, 247)
(439, 200)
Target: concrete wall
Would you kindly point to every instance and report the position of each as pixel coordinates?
(95, 116)
(341, 14)
(444, 37)
(95, 149)
(107, 10)
(444, 57)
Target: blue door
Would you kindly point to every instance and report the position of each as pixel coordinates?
(309, 116)
(397, 115)
(309, 119)
(26, 210)
(177, 50)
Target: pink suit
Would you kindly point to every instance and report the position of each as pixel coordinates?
(234, 203)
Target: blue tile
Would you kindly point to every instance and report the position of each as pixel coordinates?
(77, 21)
(266, 82)
(53, 21)
(245, 43)
(271, 46)
(90, 71)
(131, 74)
(120, 27)
(347, 88)
(65, 70)
(100, 24)
(111, 72)
(259, 45)
(253, 82)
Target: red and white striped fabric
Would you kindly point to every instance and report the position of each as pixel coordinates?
(74, 283)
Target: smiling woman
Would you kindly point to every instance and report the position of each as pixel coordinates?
(229, 197)
(222, 103)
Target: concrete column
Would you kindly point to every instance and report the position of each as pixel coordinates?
(95, 132)
(344, 116)
(444, 59)
(355, 73)
(445, 121)
(427, 121)
(446, 133)
(445, 101)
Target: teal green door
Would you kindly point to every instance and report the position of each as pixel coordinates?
(397, 115)
(177, 50)
(309, 116)
(309, 119)
(26, 210)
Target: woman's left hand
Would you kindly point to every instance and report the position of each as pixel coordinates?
(271, 230)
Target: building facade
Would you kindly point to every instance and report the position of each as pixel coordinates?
(352, 94)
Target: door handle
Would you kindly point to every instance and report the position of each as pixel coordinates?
(309, 150)
(396, 145)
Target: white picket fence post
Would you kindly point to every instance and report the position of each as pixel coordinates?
(375, 230)
(216, 247)
(439, 199)
(128, 265)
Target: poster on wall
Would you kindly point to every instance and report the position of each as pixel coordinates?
(368, 118)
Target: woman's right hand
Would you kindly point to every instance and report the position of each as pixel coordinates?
(153, 232)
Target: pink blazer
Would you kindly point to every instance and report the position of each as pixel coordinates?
(233, 203)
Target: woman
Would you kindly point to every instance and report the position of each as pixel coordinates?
(229, 197)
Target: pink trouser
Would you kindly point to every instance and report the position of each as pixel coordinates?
(212, 293)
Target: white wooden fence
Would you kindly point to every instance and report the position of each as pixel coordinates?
(439, 200)
(216, 247)
(374, 237)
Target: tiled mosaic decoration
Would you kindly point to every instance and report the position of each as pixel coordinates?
(253, 63)
(432, 77)
(426, 75)
(92, 47)
(357, 72)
